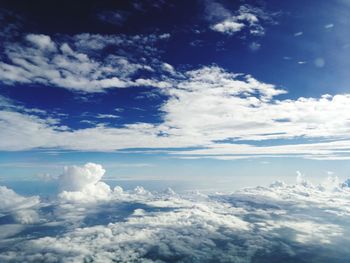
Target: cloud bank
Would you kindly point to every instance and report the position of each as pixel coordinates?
(280, 222)
(224, 114)
(208, 110)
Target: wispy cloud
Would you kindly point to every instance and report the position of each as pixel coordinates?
(116, 17)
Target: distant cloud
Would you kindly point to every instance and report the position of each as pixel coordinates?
(203, 108)
(73, 64)
(83, 184)
(22, 209)
(297, 34)
(319, 62)
(277, 220)
(254, 46)
(246, 17)
(117, 18)
(329, 26)
(106, 116)
(228, 27)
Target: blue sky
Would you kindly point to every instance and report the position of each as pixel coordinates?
(163, 131)
(217, 92)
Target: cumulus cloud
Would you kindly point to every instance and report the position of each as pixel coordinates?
(246, 18)
(11, 201)
(279, 221)
(228, 27)
(21, 209)
(82, 184)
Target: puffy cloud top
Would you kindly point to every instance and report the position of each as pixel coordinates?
(11, 201)
(279, 221)
(82, 183)
(76, 178)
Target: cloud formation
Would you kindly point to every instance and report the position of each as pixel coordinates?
(21, 209)
(79, 63)
(210, 108)
(247, 18)
(279, 221)
(83, 184)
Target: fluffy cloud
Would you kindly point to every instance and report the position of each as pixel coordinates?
(82, 184)
(279, 221)
(21, 209)
(75, 178)
(245, 18)
(228, 26)
(78, 63)
(208, 108)
(10, 201)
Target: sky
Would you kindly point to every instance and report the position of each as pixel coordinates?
(174, 131)
(215, 95)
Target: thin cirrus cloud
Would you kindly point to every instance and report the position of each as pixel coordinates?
(139, 225)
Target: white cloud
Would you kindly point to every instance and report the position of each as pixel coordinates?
(142, 226)
(26, 217)
(82, 184)
(228, 27)
(107, 116)
(246, 17)
(10, 201)
(78, 63)
(298, 34)
(21, 209)
(42, 42)
(329, 26)
(75, 178)
(209, 108)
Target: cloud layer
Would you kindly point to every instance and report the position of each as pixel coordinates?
(211, 111)
(252, 225)
(223, 113)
